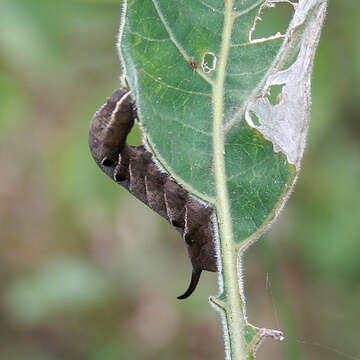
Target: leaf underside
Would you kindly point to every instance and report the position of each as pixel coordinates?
(186, 60)
(161, 44)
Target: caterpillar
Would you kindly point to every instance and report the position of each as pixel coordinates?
(134, 168)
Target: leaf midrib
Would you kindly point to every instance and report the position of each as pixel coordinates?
(229, 258)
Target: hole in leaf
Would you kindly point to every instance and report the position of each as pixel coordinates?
(208, 63)
(254, 118)
(291, 60)
(275, 93)
(274, 19)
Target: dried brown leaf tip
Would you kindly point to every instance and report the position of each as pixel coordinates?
(134, 168)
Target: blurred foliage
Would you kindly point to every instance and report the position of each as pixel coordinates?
(87, 272)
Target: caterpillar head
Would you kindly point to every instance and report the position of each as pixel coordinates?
(109, 128)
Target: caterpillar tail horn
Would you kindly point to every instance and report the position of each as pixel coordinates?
(195, 277)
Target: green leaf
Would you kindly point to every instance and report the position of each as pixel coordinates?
(204, 85)
(175, 102)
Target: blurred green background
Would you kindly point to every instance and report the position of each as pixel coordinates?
(88, 272)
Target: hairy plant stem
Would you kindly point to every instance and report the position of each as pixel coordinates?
(235, 318)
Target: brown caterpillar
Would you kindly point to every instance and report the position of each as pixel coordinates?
(134, 168)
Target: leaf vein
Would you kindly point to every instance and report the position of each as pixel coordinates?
(176, 42)
(246, 170)
(148, 38)
(189, 126)
(211, 7)
(174, 87)
(241, 44)
(247, 73)
(247, 10)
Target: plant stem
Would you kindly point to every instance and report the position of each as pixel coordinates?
(234, 308)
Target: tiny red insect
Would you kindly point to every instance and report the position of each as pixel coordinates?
(193, 64)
